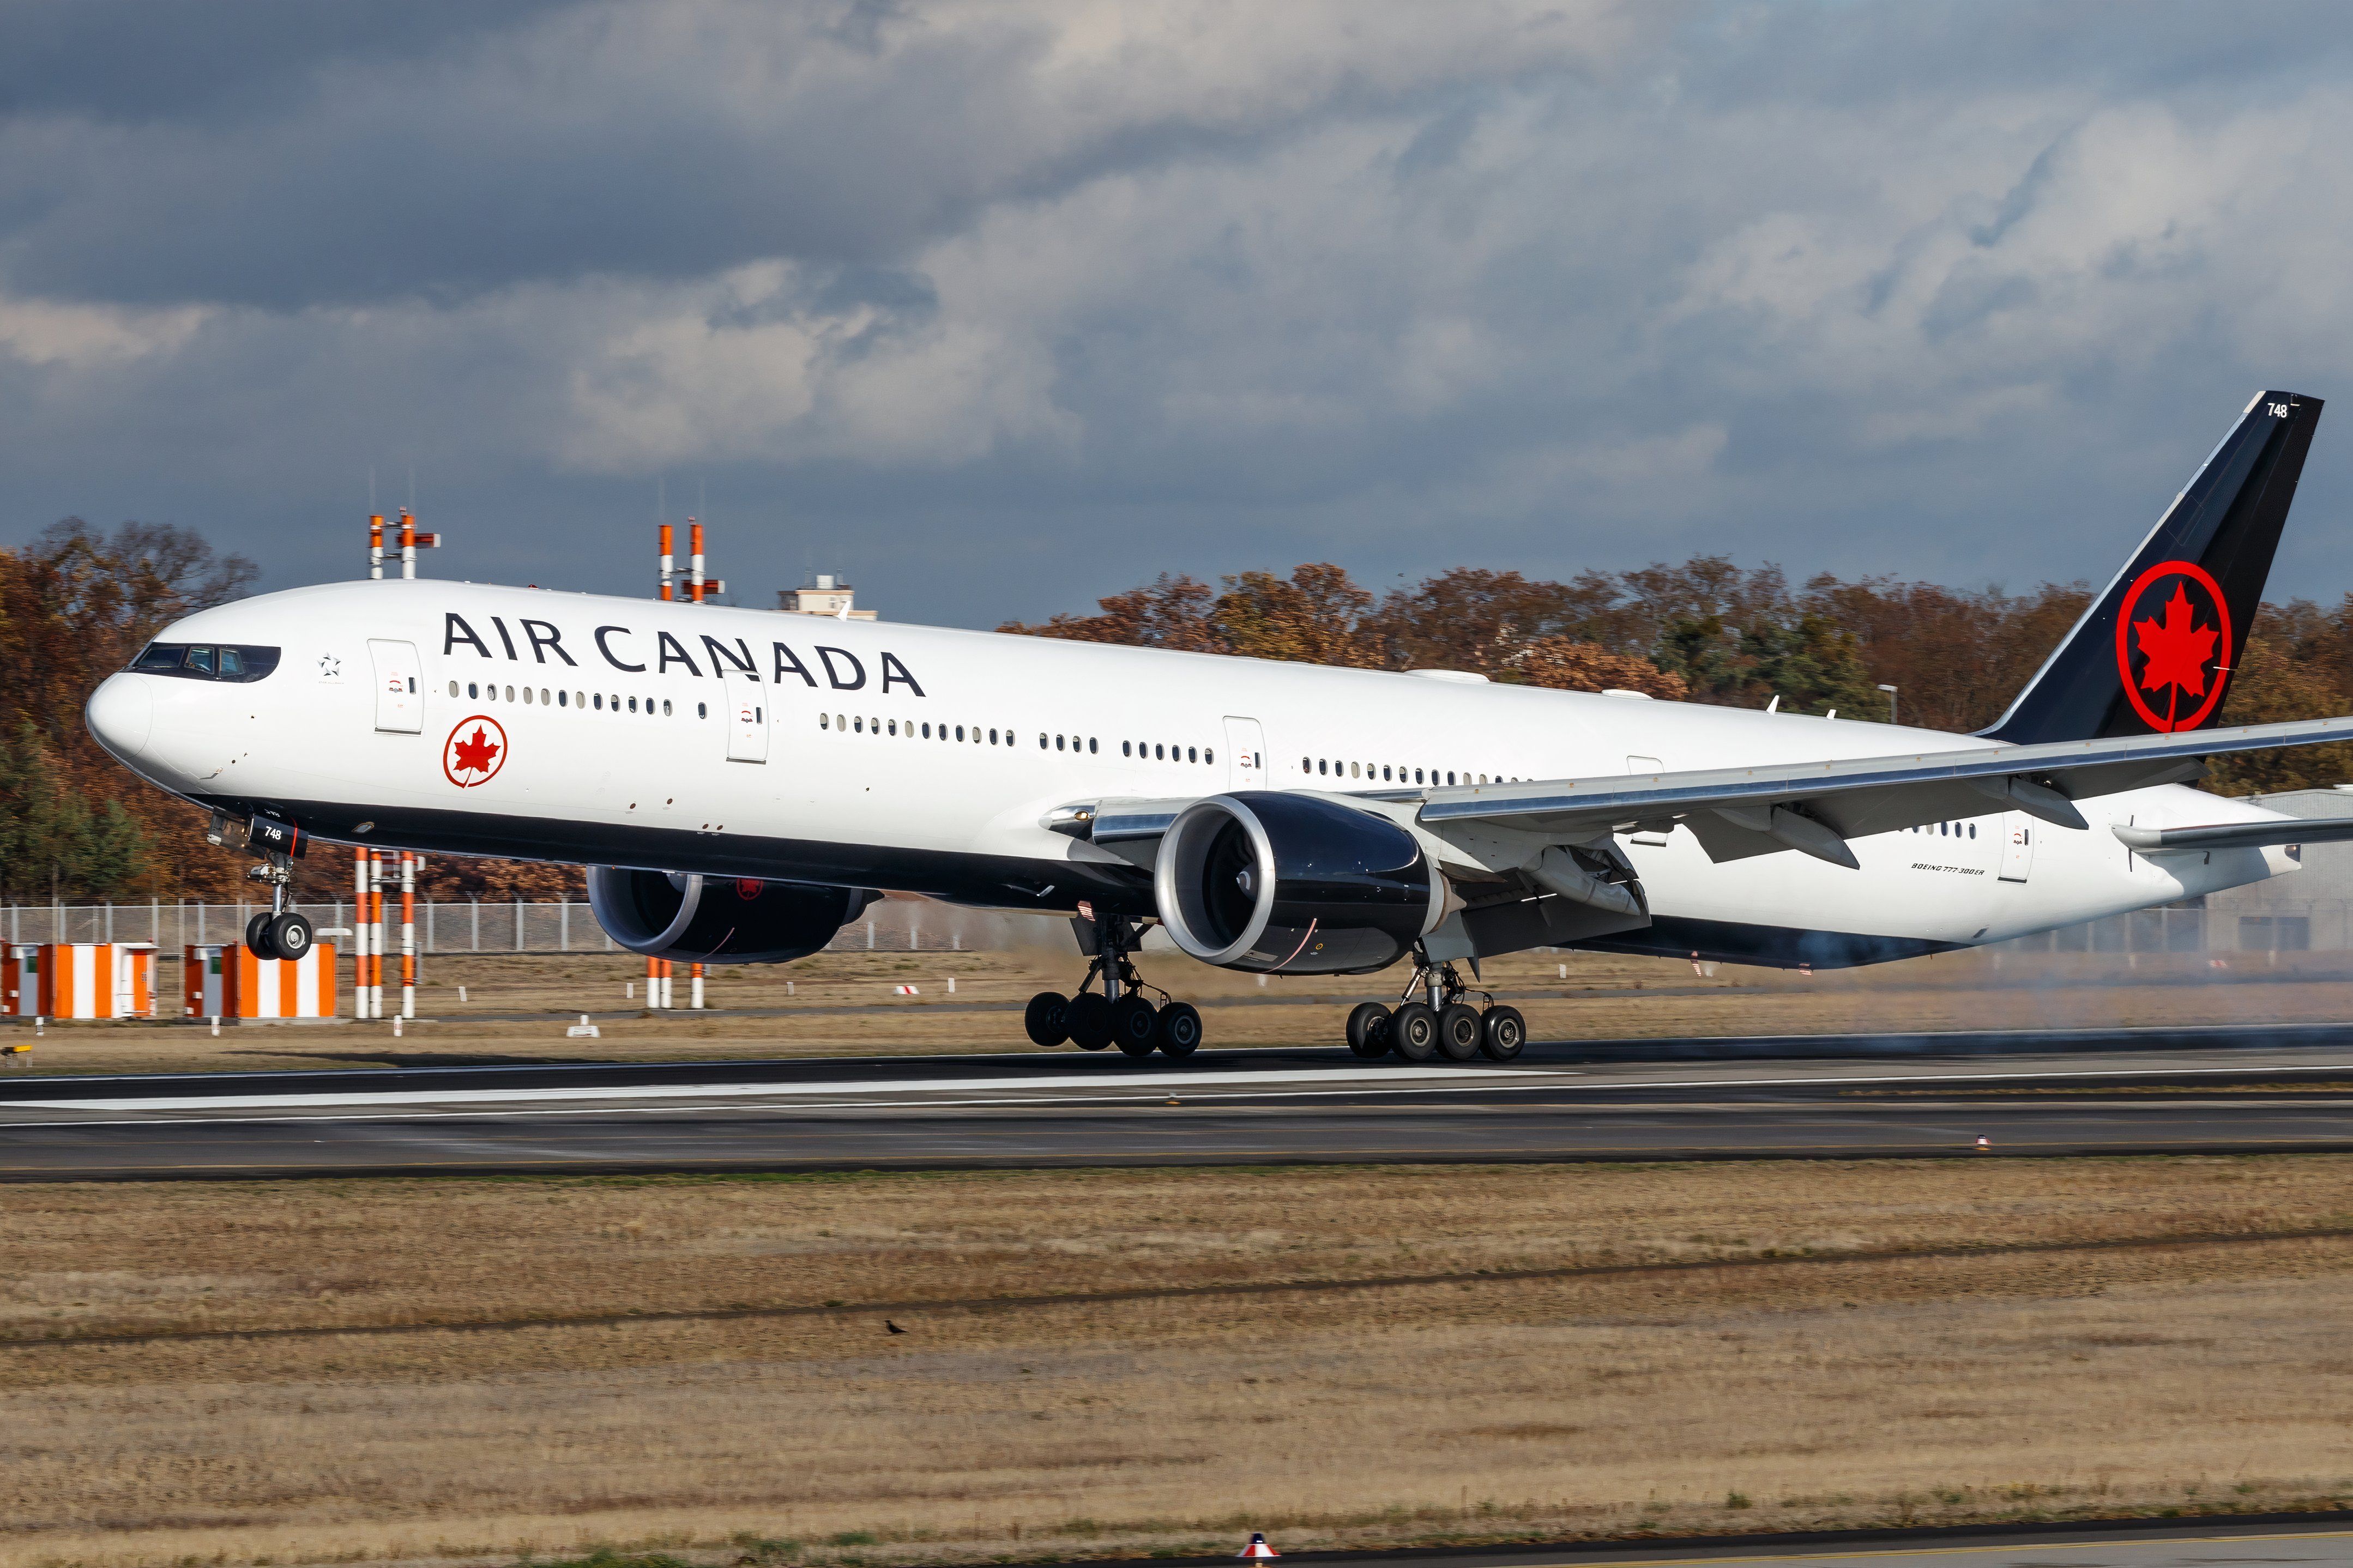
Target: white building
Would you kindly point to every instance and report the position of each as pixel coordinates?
(823, 594)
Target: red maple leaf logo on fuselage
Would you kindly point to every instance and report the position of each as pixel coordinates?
(2175, 650)
(473, 755)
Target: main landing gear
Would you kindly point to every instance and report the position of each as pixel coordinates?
(1437, 1024)
(1119, 1014)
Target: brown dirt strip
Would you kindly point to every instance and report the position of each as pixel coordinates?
(1184, 1292)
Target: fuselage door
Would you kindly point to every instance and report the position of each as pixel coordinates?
(399, 705)
(1245, 753)
(2017, 846)
(747, 717)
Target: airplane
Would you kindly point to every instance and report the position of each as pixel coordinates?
(740, 783)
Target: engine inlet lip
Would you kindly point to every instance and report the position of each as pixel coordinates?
(1187, 839)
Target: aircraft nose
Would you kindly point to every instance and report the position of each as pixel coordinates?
(121, 712)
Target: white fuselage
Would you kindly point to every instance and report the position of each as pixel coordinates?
(926, 760)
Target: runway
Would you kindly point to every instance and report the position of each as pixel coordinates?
(2171, 1093)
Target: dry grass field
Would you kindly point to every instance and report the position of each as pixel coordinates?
(1128, 1362)
(516, 1007)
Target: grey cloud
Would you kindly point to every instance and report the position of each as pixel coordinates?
(1001, 307)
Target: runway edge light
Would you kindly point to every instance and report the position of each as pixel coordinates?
(1258, 1546)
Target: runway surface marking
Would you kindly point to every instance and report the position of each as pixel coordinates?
(1243, 1086)
(911, 1307)
(662, 1091)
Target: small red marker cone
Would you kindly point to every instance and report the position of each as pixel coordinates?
(1258, 1546)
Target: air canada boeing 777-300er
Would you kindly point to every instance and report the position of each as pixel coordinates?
(741, 782)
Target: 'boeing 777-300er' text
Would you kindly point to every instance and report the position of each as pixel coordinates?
(741, 781)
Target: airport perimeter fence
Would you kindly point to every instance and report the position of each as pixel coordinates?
(919, 925)
(891, 925)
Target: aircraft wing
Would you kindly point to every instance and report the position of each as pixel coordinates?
(2238, 835)
(1815, 807)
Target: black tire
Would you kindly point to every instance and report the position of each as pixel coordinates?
(1368, 1031)
(1459, 1032)
(1178, 1031)
(1048, 1018)
(1089, 1020)
(256, 936)
(291, 935)
(1506, 1032)
(1135, 1026)
(1413, 1031)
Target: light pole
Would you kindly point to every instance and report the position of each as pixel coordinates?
(1891, 702)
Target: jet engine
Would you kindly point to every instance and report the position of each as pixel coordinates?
(1270, 882)
(719, 920)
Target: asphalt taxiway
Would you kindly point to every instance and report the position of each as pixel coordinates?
(2169, 1093)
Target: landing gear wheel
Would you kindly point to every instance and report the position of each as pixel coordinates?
(1413, 1031)
(1459, 1032)
(1090, 1019)
(1178, 1031)
(1048, 1018)
(256, 936)
(1368, 1031)
(289, 935)
(1134, 1024)
(1506, 1032)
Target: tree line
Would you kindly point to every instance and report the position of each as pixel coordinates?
(76, 604)
(1710, 630)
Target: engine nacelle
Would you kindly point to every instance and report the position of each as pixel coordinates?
(1271, 882)
(719, 920)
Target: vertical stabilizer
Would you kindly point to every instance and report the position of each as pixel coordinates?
(2155, 651)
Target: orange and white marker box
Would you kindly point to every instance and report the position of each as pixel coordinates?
(226, 981)
(80, 980)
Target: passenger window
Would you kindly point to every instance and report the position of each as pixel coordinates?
(473, 689)
(633, 702)
(453, 688)
(1192, 753)
(1159, 754)
(560, 696)
(1090, 745)
(201, 658)
(665, 706)
(992, 737)
(1209, 756)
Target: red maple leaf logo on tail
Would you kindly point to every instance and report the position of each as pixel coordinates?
(2176, 649)
(473, 754)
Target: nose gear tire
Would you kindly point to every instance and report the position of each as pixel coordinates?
(1134, 1023)
(289, 935)
(1368, 1031)
(1413, 1031)
(1459, 1032)
(1048, 1018)
(1506, 1032)
(256, 936)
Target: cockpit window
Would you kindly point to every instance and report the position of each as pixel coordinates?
(206, 662)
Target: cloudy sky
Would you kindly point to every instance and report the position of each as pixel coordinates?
(998, 306)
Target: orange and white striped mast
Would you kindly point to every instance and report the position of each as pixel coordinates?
(694, 561)
(359, 929)
(408, 864)
(375, 545)
(668, 568)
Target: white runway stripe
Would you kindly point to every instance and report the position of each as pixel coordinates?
(1106, 1081)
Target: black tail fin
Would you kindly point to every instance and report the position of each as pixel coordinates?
(2155, 652)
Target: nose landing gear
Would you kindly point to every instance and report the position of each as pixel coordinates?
(1120, 1014)
(1437, 1023)
(280, 930)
